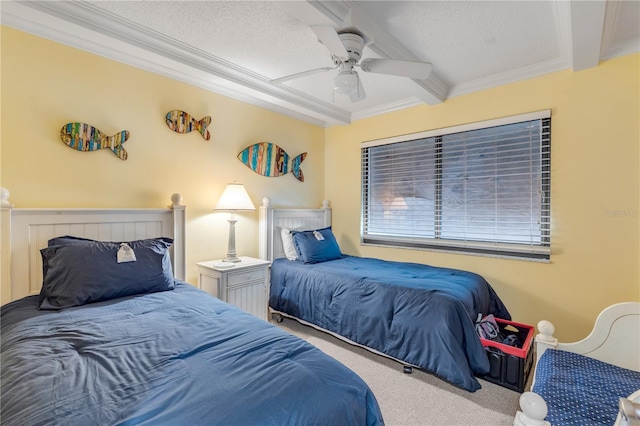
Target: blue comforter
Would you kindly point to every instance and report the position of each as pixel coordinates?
(418, 314)
(177, 357)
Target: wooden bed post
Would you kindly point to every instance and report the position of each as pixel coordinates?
(265, 238)
(327, 212)
(5, 246)
(534, 411)
(544, 338)
(179, 231)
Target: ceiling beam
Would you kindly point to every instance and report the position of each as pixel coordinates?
(433, 89)
(587, 24)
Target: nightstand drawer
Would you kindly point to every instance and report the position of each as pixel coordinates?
(245, 276)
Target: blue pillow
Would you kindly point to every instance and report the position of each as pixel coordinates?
(68, 239)
(316, 246)
(78, 271)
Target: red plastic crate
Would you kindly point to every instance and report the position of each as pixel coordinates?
(522, 330)
(509, 365)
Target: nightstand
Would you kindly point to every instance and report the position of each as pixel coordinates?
(243, 284)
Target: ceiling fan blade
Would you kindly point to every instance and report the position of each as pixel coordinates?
(301, 74)
(330, 39)
(417, 70)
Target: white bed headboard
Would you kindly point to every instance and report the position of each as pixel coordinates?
(26, 230)
(273, 220)
(615, 337)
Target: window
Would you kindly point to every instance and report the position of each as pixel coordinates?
(482, 188)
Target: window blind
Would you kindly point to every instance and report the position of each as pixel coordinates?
(481, 188)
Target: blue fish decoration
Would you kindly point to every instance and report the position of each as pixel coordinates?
(182, 122)
(84, 137)
(268, 159)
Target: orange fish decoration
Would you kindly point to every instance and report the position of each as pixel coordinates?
(84, 137)
(182, 122)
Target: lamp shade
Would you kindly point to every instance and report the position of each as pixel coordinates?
(235, 198)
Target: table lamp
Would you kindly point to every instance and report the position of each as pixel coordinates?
(234, 198)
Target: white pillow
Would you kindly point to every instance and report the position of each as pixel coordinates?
(287, 244)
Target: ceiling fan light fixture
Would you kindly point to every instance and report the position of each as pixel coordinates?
(346, 83)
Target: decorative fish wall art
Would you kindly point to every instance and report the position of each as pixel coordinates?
(182, 122)
(84, 137)
(268, 159)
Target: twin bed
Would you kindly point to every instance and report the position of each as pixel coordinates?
(132, 343)
(420, 315)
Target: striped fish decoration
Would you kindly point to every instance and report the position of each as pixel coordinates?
(268, 159)
(84, 137)
(182, 122)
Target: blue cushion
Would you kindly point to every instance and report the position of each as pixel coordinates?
(312, 250)
(77, 271)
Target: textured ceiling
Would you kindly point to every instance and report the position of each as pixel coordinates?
(237, 47)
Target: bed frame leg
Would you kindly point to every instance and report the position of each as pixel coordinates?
(407, 369)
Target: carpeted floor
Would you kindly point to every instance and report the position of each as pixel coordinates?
(417, 399)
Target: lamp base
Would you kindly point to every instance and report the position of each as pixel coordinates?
(231, 251)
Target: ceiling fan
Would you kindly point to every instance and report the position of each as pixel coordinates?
(346, 51)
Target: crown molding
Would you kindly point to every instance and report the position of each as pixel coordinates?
(383, 109)
(507, 77)
(84, 26)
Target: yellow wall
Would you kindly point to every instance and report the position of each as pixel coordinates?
(595, 169)
(46, 84)
(595, 166)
